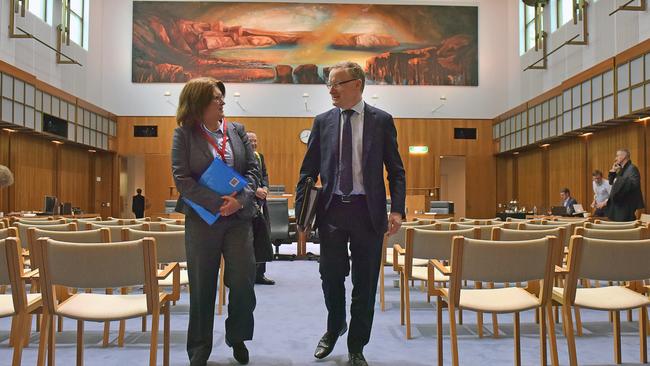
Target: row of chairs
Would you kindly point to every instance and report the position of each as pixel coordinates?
(424, 243)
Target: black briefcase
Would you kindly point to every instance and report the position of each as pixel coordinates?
(307, 214)
(262, 239)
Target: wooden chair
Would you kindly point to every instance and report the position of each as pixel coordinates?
(491, 261)
(592, 259)
(87, 219)
(638, 233)
(157, 226)
(569, 226)
(645, 218)
(172, 227)
(502, 234)
(387, 256)
(102, 235)
(37, 221)
(423, 245)
(105, 265)
(486, 230)
(8, 232)
(608, 226)
(607, 222)
(19, 304)
(171, 221)
(116, 230)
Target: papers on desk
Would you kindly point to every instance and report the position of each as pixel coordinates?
(219, 178)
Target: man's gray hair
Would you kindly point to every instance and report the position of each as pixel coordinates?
(6, 177)
(626, 151)
(354, 69)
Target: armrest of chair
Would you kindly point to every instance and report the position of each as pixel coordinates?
(174, 269)
(30, 274)
(397, 251)
(445, 270)
(561, 270)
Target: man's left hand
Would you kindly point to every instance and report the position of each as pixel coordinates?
(394, 222)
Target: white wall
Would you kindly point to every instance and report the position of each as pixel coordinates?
(608, 36)
(122, 97)
(26, 54)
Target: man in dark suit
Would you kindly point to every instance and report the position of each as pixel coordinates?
(625, 197)
(568, 201)
(138, 204)
(349, 147)
(261, 232)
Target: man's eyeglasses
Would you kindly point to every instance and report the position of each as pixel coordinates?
(336, 85)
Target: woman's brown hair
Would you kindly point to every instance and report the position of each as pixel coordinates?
(195, 97)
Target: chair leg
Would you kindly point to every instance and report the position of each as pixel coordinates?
(439, 328)
(617, 337)
(166, 336)
(107, 325)
(453, 335)
(543, 353)
(570, 336)
(51, 344)
(221, 288)
(28, 329)
(517, 338)
(153, 350)
(14, 325)
(80, 342)
(495, 318)
(479, 314)
(643, 334)
(17, 335)
(59, 327)
(122, 325)
(630, 318)
(43, 341)
(382, 299)
(460, 316)
(407, 309)
(401, 298)
(551, 335)
(576, 309)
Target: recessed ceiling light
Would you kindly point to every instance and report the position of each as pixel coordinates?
(545, 145)
(8, 130)
(515, 153)
(587, 134)
(92, 151)
(643, 119)
(57, 142)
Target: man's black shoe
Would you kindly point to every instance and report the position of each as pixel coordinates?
(264, 281)
(327, 342)
(357, 359)
(240, 353)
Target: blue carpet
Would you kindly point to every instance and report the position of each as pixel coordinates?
(291, 317)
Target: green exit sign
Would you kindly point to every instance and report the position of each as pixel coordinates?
(418, 149)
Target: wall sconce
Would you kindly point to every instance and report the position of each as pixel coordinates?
(305, 97)
(586, 134)
(544, 145)
(443, 99)
(374, 97)
(418, 150)
(237, 95)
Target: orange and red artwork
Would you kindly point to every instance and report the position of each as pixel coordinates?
(297, 43)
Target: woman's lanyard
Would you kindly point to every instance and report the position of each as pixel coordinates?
(221, 151)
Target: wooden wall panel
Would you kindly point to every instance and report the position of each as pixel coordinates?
(4, 160)
(505, 180)
(567, 168)
(279, 142)
(157, 180)
(530, 179)
(33, 162)
(105, 188)
(75, 177)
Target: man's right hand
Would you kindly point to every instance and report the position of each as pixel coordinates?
(261, 193)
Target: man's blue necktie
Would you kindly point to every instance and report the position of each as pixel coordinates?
(345, 183)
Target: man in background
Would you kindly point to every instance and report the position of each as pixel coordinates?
(258, 228)
(138, 204)
(625, 197)
(568, 201)
(601, 193)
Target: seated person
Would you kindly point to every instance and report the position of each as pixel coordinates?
(568, 201)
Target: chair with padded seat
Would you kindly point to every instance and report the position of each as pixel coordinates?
(105, 265)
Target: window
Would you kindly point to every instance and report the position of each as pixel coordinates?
(42, 9)
(529, 27)
(564, 10)
(78, 21)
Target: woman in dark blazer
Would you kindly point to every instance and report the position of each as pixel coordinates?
(197, 141)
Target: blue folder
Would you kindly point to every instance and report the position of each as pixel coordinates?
(222, 179)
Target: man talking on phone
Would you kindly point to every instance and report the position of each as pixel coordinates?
(625, 197)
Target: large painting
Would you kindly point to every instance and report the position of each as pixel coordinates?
(296, 43)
